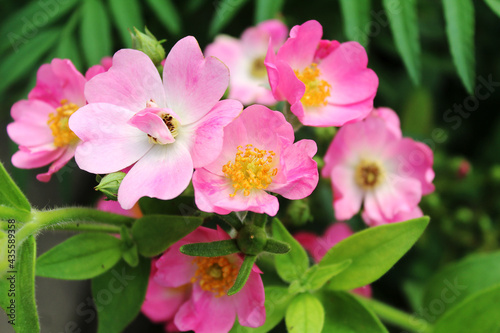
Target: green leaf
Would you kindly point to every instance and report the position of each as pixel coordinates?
(305, 314)
(319, 276)
(346, 315)
(10, 194)
(11, 69)
(166, 11)
(267, 9)
(417, 117)
(153, 234)
(95, 32)
(83, 256)
(243, 274)
(373, 252)
(21, 296)
(356, 16)
(276, 247)
(182, 205)
(459, 280)
(211, 249)
(277, 300)
(477, 314)
(292, 265)
(459, 16)
(404, 26)
(118, 295)
(24, 25)
(494, 5)
(67, 48)
(225, 11)
(127, 15)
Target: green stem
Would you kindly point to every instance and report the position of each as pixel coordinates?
(7, 213)
(396, 317)
(76, 226)
(45, 219)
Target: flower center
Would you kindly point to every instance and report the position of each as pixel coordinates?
(317, 90)
(258, 69)
(368, 174)
(58, 123)
(251, 169)
(215, 274)
(172, 123)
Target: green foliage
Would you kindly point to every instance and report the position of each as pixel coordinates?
(417, 117)
(494, 5)
(356, 16)
(225, 11)
(477, 314)
(10, 194)
(118, 295)
(316, 276)
(459, 15)
(211, 249)
(460, 280)
(373, 252)
(346, 315)
(127, 15)
(267, 9)
(404, 26)
(95, 32)
(243, 274)
(292, 265)
(155, 233)
(305, 314)
(168, 15)
(83, 256)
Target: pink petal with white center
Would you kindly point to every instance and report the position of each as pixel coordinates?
(298, 51)
(204, 313)
(131, 82)
(205, 137)
(108, 144)
(300, 171)
(399, 217)
(212, 194)
(391, 119)
(249, 302)
(150, 122)
(347, 196)
(68, 154)
(193, 84)
(57, 81)
(164, 173)
(26, 159)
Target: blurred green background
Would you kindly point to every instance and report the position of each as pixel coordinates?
(449, 102)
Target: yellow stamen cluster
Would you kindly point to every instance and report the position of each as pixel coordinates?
(172, 124)
(258, 69)
(58, 123)
(317, 90)
(215, 274)
(368, 174)
(251, 169)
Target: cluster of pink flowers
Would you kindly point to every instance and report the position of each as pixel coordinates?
(167, 131)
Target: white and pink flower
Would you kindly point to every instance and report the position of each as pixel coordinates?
(190, 293)
(162, 130)
(318, 246)
(245, 59)
(258, 156)
(327, 83)
(370, 162)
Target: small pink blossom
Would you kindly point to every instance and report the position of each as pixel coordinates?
(369, 161)
(103, 67)
(161, 129)
(245, 59)
(327, 83)
(40, 126)
(258, 156)
(191, 292)
(318, 246)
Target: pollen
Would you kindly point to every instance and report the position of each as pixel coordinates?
(251, 169)
(368, 174)
(58, 123)
(317, 90)
(172, 124)
(215, 274)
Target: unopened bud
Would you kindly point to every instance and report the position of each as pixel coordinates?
(147, 43)
(109, 185)
(299, 212)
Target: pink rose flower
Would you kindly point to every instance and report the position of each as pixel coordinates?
(326, 83)
(245, 59)
(258, 156)
(369, 161)
(192, 291)
(40, 126)
(318, 246)
(162, 129)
